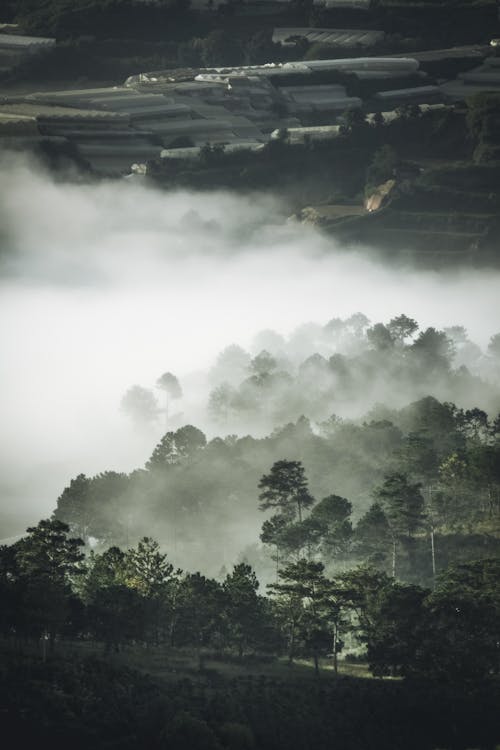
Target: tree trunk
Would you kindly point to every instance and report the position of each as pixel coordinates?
(316, 663)
(394, 546)
(433, 554)
(410, 546)
(334, 649)
(172, 632)
(291, 645)
(201, 657)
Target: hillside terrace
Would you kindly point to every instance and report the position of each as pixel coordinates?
(115, 127)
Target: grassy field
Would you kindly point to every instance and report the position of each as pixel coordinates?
(170, 664)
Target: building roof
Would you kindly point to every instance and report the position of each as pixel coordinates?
(417, 92)
(16, 41)
(333, 37)
(12, 124)
(474, 51)
(354, 64)
(314, 133)
(349, 4)
(486, 74)
(42, 110)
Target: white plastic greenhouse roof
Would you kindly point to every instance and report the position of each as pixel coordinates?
(334, 37)
(16, 41)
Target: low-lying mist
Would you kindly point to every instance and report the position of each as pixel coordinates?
(109, 284)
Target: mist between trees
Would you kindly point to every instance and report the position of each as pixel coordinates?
(359, 521)
(438, 455)
(326, 543)
(344, 367)
(409, 490)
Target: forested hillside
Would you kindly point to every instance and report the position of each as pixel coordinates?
(440, 452)
(282, 540)
(441, 460)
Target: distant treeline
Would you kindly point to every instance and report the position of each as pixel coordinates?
(347, 366)
(102, 18)
(169, 33)
(343, 367)
(438, 21)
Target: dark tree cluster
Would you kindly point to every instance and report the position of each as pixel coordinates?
(51, 591)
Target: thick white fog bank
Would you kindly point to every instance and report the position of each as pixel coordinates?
(107, 285)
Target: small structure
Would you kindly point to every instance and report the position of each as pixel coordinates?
(415, 95)
(485, 78)
(15, 48)
(380, 196)
(26, 44)
(312, 133)
(303, 100)
(288, 37)
(345, 4)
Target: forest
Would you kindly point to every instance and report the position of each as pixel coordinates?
(439, 645)
(234, 567)
(285, 542)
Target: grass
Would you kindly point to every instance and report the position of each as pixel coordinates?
(172, 664)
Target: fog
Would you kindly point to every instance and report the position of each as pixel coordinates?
(110, 284)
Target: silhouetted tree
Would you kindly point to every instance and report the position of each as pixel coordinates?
(285, 488)
(140, 405)
(169, 384)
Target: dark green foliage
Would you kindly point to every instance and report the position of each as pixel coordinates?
(309, 173)
(246, 613)
(285, 488)
(483, 120)
(89, 703)
(187, 732)
(221, 48)
(448, 635)
(260, 48)
(464, 612)
(373, 537)
(177, 446)
(380, 337)
(39, 575)
(402, 327)
(104, 18)
(299, 597)
(397, 632)
(383, 166)
(403, 503)
(331, 521)
(81, 505)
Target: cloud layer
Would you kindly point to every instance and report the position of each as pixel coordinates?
(104, 285)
